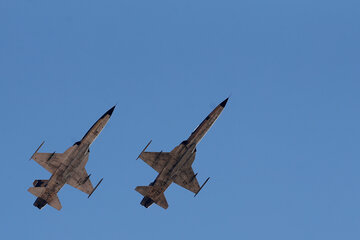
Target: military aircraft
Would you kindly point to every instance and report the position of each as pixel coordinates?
(67, 167)
(175, 166)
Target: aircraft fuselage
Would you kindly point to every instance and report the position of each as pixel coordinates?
(76, 156)
(181, 156)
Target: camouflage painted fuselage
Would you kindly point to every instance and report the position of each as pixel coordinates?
(67, 167)
(180, 158)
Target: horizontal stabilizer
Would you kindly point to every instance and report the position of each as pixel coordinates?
(143, 190)
(55, 202)
(37, 191)
(162, 201)
(148, 192)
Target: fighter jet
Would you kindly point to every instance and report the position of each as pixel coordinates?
(175, 166)
(67, 167)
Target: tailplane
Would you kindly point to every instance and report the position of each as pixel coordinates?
(55, 202)
(37, 191)
(40, 202)
(150, 196)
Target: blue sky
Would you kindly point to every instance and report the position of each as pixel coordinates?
(283, 157)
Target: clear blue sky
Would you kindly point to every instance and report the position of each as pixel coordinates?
(283, 157)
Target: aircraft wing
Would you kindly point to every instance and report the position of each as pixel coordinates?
(49, 161)
(157, 160)
(80, 179)
(187, 179)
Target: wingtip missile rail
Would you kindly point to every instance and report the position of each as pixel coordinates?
(37, 150)
(202, 186)
(144, 149)
(95, 188)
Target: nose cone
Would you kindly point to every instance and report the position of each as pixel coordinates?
(110, 111)
(224, 102)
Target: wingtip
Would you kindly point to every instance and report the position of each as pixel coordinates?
(37, 150)
(97, 185)
(202, 186)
